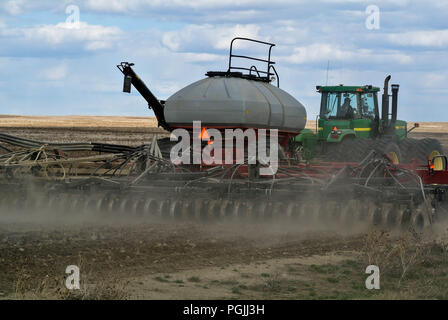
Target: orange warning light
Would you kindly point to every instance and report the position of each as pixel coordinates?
(204, 134)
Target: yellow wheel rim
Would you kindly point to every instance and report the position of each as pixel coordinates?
(393, 157)
(438, 162)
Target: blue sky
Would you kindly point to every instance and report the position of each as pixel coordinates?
(49, 67)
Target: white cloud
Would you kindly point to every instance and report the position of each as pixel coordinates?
(102, 87)
(167, 88)
(66, 32)
(367, 2)
(18, 7)
(317, 52)
(134, 5)
(433, 80)
(202, 57)
(62, 36)
(128, 6)
(323, 52)
(55, 73)
(14, 7)
(214, 37)
(432, 38)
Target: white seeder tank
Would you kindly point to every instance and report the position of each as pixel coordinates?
(223, 101)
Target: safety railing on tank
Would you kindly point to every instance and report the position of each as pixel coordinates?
(270, 64)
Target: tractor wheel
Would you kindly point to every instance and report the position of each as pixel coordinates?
(351, 150)
(390, 149)
(423, 150)
(408, 147)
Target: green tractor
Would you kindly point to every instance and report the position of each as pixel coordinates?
(349, 126)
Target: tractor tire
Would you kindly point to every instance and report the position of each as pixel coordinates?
(390, 149)
(408, 147)
(351, 150)
(422, 150)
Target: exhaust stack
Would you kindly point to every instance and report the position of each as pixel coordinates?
(395, 88)
(385, 103)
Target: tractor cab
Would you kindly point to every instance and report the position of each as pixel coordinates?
(350, 124)
(346, 110)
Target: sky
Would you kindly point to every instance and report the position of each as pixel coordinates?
(59, 57)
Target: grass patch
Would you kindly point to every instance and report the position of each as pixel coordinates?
(236, 290)
(332, 280)
(160, 279)
(229, 282)
(325, 268)
(291, 289)
(194, 279)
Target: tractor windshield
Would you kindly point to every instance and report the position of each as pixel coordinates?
(347, 105)
(368, 105)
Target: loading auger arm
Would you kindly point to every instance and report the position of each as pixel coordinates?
(130, 77)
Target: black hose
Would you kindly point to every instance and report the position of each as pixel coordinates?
(89, 146)
(4, 148)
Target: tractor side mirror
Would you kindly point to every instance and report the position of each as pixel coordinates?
(127, 84)
(416, 125)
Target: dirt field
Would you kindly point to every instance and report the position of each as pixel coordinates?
(158, 260)
(134, 130)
